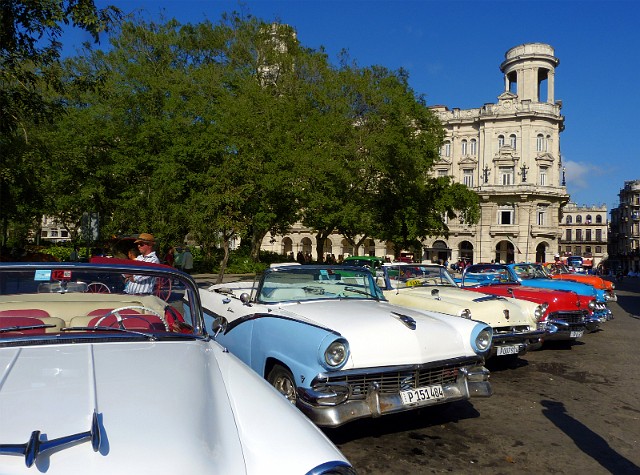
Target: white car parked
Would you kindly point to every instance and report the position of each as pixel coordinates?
(516, 323)
(327, 339)
(95, 380)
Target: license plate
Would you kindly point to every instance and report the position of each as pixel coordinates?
(576, 334)
(508, 350)
(426, 393)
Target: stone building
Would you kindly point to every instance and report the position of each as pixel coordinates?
(584, 233)
(624, 237)
(509, 153)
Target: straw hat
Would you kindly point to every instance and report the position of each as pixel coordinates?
(146, 237)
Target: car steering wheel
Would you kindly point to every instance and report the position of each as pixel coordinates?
(120, 319)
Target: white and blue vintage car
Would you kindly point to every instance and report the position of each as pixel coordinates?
(328, 340)
(98, 380)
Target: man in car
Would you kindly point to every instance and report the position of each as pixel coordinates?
(143, 284)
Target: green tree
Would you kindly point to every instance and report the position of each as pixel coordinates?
(29, 50)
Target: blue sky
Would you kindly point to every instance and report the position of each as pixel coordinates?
(453, 50)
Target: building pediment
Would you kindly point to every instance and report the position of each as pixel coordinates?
(468, 160)
(506, 156)
(545, 157)
(507, 96)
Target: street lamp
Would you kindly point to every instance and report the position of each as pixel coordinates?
(564, 180)
(485, 173)
(524, 169)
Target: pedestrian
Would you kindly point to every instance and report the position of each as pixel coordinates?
(75, 255)
(169, 258)
(187, 260)
(143, 284)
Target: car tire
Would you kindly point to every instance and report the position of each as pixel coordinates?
(282, 379)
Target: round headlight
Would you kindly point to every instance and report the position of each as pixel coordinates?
(336, 353)
(466, 313)
(483, 340)
(592, 304)
(538, 312)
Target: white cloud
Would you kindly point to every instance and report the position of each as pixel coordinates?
(580, 174)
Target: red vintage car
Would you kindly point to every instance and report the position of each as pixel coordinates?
(567, 315)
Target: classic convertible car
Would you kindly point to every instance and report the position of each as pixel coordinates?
(327, 339)
(534, 275)
(516, 323)
(567, 314)
(96, 380)
(559, 271)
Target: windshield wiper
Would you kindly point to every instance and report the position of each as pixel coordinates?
(150, 336)
(25, 327)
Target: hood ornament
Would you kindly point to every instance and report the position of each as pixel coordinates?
(406, 319)
(34, 447)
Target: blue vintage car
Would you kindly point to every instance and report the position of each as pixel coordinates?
(534, 275)
(328, 340)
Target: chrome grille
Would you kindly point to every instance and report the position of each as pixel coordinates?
(394, 381)
(511, 329)
(569, 317)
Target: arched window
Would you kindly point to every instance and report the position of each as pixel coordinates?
(446, 149)
(464, 147)
(474, 146)
(578, 219)
(569, 220)
(500, 141)
(540, 143)
(598, 219)
(588, 219)
(546, 143)
(513, 141)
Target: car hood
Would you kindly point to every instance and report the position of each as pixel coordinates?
(577, 287)
(378, 336)
(163, 407)
(556, 298)
(487, 308)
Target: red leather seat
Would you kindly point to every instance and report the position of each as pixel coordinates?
(131, 320)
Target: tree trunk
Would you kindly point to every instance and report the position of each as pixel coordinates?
(321, 236)
(256, 242)
(225, 259)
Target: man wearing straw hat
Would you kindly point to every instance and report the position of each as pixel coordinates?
(142, 284)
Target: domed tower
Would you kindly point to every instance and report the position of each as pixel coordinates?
(526, 68)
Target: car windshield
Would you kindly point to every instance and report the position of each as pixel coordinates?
(312, 282)
(530, 271)
(416, 275)
(487, 275)
(58, 302)
(556, 269)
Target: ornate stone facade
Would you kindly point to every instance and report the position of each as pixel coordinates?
(584, 232)
(624, 240)
(509, 153)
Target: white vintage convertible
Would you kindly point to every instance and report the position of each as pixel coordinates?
(96, 380)
(328, 340)
(516, 323)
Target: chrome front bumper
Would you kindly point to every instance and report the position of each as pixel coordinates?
(526, 341)
(471, 381)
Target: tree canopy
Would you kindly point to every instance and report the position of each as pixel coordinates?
(235, 130)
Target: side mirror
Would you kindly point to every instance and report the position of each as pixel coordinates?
(219, 325)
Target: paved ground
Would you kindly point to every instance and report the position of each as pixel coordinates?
(567, 409)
